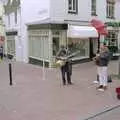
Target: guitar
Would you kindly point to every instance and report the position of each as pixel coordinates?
(62, 60)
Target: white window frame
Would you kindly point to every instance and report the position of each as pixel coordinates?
(93, 7)
(110, 9)
(73, 5)
(110, 38)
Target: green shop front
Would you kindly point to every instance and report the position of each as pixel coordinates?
(44, 41)
(113, 38)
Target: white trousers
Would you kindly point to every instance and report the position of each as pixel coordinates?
(103, 74)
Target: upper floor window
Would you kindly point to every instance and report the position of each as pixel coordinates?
(15, 17)
(110, 9)
(93, 7)
(9, 19)
(73, 6)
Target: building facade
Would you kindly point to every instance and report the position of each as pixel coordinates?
(36, 29)
(2, 27)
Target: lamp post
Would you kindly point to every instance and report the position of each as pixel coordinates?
(43, 60)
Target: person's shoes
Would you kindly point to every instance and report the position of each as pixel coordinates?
(64, 83)
(96, 82)
(105, 87)
(100, 88)
(70, 83)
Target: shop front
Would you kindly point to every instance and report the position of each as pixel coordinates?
(11, 47)
(83, 39)
(113, 38)
(44, 41)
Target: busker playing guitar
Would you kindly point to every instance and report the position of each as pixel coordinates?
(66, 68)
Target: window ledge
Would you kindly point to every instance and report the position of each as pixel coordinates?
(72, 12)
(110, 17)
(94, 14)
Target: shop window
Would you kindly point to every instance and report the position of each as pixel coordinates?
(93, 7)
(79, 45)
(73, 6)
(110, 9)
(15, 17)
(9, 20)
(55, 45)
(11, 45)
(112, 38)
(38, 47)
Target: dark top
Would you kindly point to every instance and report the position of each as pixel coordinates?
(104, 59)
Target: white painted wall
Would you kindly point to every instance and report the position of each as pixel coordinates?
(84, 11)
(101, 9)
(31, 11)
(117, 12)
(59, 10)
(2, 32)
(34, 10)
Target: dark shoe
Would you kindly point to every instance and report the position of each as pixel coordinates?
(105, 87)
(70, 83)
(64, 83)
(100, 88)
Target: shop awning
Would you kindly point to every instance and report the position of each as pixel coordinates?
(81, 32)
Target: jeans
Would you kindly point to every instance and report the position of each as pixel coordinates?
(103, 74)
(66, 71)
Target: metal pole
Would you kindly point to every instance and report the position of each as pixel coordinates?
(43, 61)
(119, 67)
(98, 41)
(10, 73)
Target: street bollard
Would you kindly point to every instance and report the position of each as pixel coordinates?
(10, 73)
(10, 59)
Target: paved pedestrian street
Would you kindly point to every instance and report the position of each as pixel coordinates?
(110, 114)
(38, 96)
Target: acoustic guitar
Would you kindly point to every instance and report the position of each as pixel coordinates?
(62, 60)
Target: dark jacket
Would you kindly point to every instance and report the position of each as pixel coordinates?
(61, 53)
(65, 53)
(104, 59)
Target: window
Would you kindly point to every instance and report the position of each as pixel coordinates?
(110, 9)
(15, 17)
(93, 7)
(112, 38)
(73, 6)
(55, 45)
(11, 45)
(56, 40)
(8, 19)
(81, 45)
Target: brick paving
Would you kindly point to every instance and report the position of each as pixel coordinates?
(33, 97)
